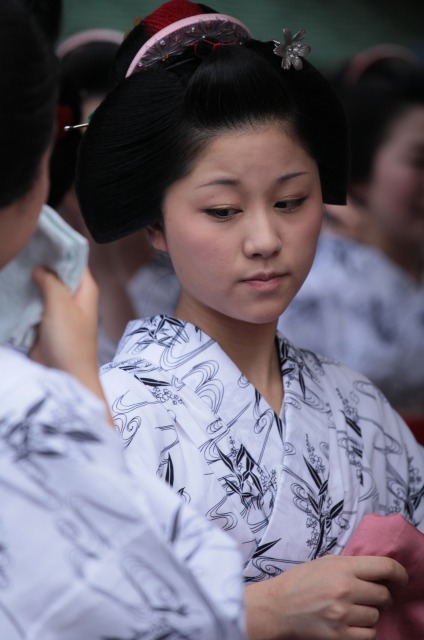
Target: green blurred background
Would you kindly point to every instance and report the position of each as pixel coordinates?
(336, 29)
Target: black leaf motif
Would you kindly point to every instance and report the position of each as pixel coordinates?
(256, 482)
(249, 463)
(35, 408)
(150, 382)
(47, 452)
(249, 458)
(82, 436)
(331, 544)
(264, 548)
(302, 383)
(313, 473)
(279, 423)
(169, 475)
(226, 460)
(324, 487)
(48, 429)
(320, 539)
(337, 509)
(314, 504)
(240, 454)
(353, 425)
(417, 497)
(357, 451)
(232, 486)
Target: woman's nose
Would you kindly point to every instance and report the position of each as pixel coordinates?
(262, 238)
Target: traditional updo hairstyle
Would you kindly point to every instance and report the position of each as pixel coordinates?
(85, 63)
(27, 100)
(154, 123)
(376, 87)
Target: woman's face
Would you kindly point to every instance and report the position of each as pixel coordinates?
(19, 220)
(394, 195)
(241, 228)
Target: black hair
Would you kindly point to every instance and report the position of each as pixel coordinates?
(27, 100)
(151, 126)
(373, 103)
(84, 72)
(63, 158)
(48, 15)
(88, 67)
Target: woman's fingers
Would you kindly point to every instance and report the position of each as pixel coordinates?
(379, 569)
(362, 616)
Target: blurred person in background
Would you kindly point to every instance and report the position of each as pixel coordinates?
(363, 301)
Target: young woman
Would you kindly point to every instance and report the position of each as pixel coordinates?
(86, 550)
(363, 302)
(226, 148)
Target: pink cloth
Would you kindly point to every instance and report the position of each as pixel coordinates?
(396, 538)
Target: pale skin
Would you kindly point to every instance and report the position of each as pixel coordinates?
(241, 229)
(67, 337)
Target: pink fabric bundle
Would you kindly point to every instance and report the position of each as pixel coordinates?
(396, 538)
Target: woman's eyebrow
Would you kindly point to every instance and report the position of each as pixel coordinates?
(226, 182)
(290, 176)
(233, 182)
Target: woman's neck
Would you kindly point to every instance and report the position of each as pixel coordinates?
(252, 348)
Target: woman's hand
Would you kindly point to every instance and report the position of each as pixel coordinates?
(332, 598)
(67, 337)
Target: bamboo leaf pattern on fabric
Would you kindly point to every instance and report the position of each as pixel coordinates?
(322, 462)
(262, 549)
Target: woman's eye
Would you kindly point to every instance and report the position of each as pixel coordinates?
(223, 213)
(289, 205)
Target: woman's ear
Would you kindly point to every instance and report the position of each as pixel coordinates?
(157, 236)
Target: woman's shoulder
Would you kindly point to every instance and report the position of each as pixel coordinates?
(345, 390)
(26, 384)
(338, 378)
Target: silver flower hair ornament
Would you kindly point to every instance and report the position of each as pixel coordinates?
(292, 50)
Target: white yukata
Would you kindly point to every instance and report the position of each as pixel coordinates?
(359, 307)
(290, 487)
(87, 551)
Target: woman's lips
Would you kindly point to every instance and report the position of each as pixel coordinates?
(264, 281)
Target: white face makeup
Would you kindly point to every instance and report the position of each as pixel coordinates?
(241, 228)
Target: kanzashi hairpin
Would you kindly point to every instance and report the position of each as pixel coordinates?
(79, 126)
(174, 39)
(292, 50)
(76, 126)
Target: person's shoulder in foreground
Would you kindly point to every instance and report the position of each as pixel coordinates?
(86, 550)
